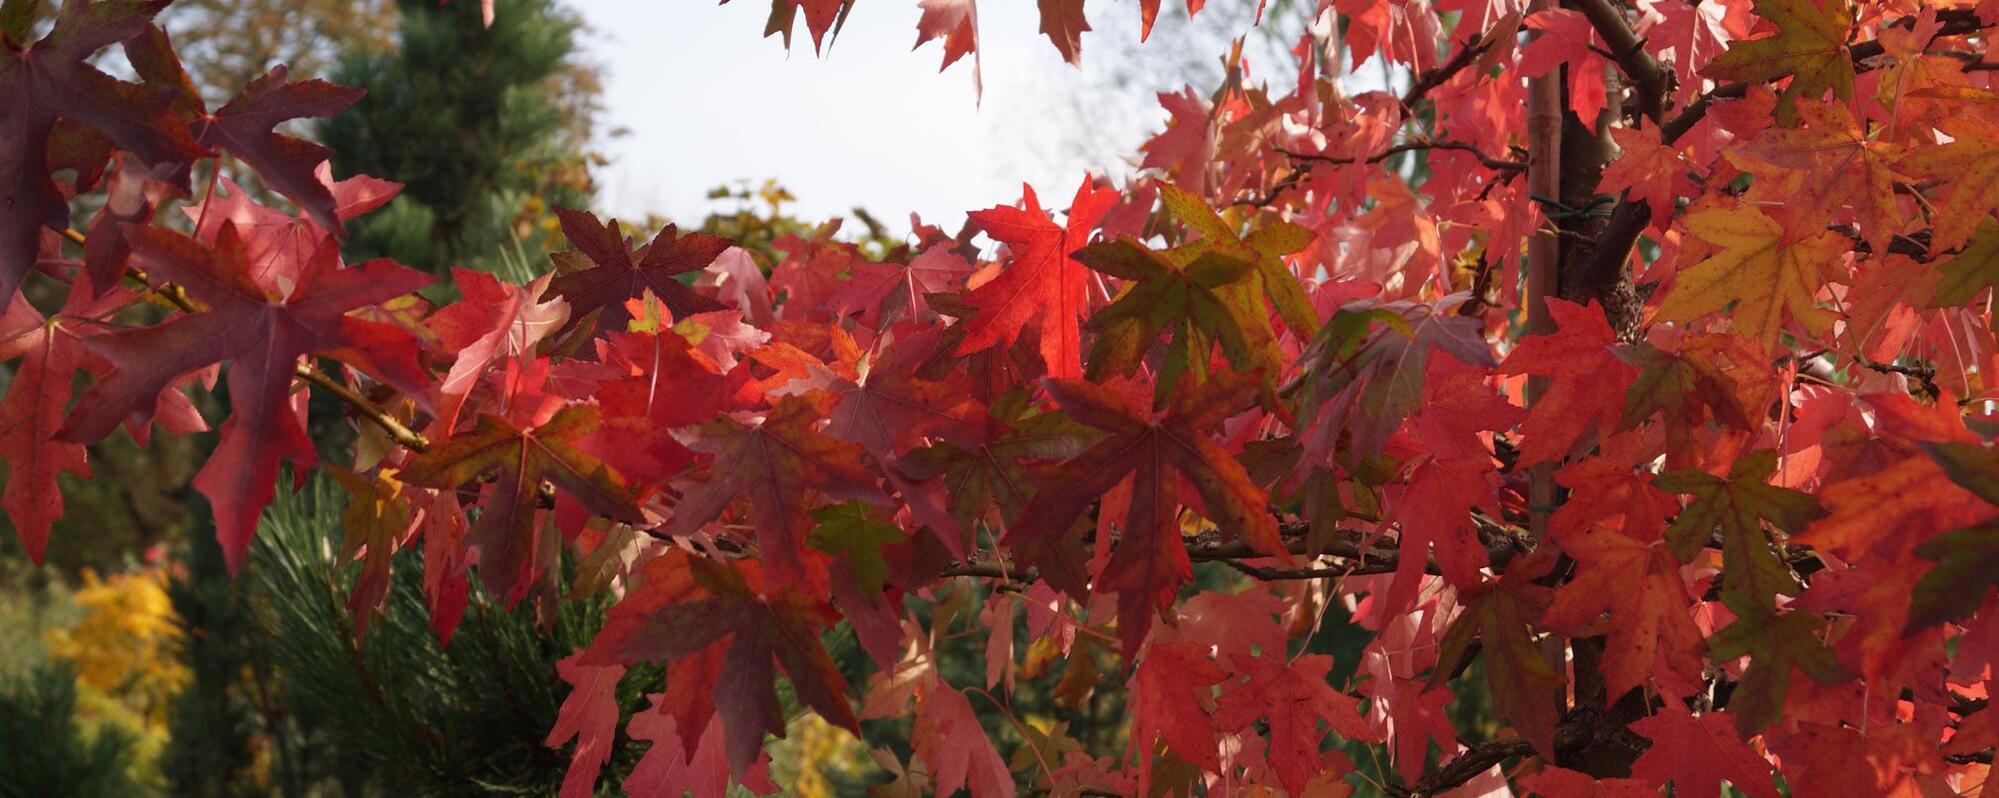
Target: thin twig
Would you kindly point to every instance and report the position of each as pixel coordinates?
(176, 296)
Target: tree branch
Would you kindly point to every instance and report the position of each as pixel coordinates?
(174, 295)
(1468, 765)
(1630, 217)
(1649, 79)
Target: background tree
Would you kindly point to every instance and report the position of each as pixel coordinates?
(487, 128)
(1580, 417)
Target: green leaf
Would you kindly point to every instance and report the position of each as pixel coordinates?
(847, 530)
(1967, 570)
(1974, 268)
(1776, 643)
(1973, 467)
(1739, 506)
(1264, 248)
(1164, 294)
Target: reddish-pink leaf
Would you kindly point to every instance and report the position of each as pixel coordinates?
(1041, 284)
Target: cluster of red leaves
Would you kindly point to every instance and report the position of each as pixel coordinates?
(1773, 544)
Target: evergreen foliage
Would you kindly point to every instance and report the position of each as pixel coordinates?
(485, 127)
(47, 753)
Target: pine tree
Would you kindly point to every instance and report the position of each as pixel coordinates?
(485, 127)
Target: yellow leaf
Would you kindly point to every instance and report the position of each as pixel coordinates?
(1764, 277)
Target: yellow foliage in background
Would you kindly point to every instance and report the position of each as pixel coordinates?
(123, 650)
(811, 750)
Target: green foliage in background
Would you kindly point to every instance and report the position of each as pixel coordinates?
(486, 128)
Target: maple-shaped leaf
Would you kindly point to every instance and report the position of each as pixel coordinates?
(775, 464)
(1163, 295)
(589, 715)
(490, 321)
(521, 456)
(54, 79)
(1062, 21)
(885, 291)
(955, 748)
(1776, 642)
(1264, 248)
(694, 766)
(51, 351)
(1809, 46)
(1587, 383)
(615, 276)
(720, 628)
(1738, 507)
(1827, 163)
(820, 16)
(1554, 782)
(1760, 274)
(1434, 511)
(1565, 37)
(1150, 561)
(846, 531)
(1973, 269)
(1166, 695)
(377, 521)
(1696, 753)
(1365, 372)
(1694, 33)
(1970, 164)
(1294, 697)
(246, 128)
(1041, 283)
(1888, 759)
(1967, 559)
(262, 336)
(1966, 572)
(1501, 614)
(957, 23)
(1716, 378)
(992, 475)
(892, 409)
(1638, 583)
(1647, 171)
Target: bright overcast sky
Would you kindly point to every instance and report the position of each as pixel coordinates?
(707, 101)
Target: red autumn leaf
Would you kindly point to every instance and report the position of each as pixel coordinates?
(1168, 692)
(883, 291)
(955, 748)
(725, 631)
(522, 455)
(1637, 582)
(957, 23)
(589, 715)
(1565, 37)
(1829, 163)
(490, 321)
(614, 276)
(1041, 284)
(1501, 615)
(1295, 699)
(51, 350)
(1062, 21)
(775, 464)
(1648, 172)
(1150, 562)
(1697, 753)
(1554, 782)
(54, 79)
(246, 128)
(262, 336)
(1587, 381)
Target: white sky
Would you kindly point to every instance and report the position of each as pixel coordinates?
(706, 100)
